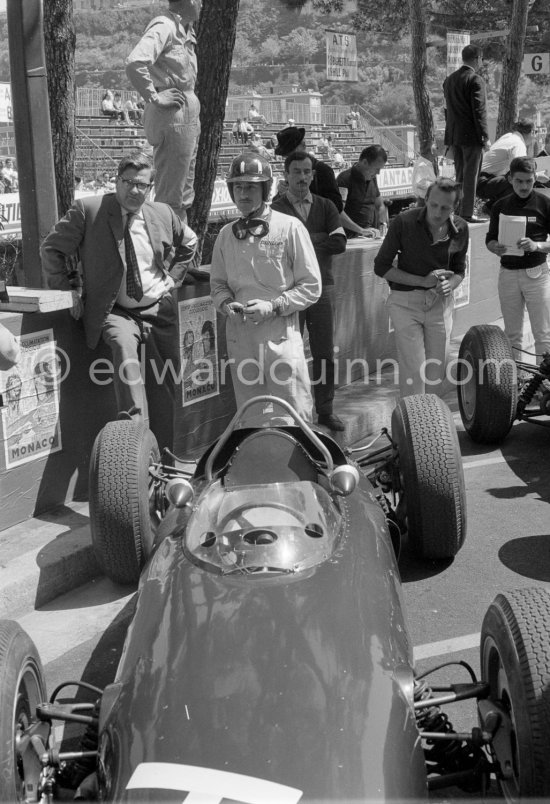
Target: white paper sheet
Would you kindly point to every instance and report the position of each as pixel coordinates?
(511, 228)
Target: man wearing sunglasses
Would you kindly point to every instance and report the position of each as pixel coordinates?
(133, 252)
(264, 272)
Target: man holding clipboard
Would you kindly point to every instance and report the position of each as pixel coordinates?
(518, 231)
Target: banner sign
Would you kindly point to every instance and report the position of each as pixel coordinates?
(6, 113)
(456, 40)
(341, 56)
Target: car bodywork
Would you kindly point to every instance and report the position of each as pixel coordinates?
(268, 658)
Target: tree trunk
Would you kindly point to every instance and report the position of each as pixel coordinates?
(508, 99)
(215, 44)
(60, 42)
(424, 117)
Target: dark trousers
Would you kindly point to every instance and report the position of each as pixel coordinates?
(468, 160)
(491, 188)
(319, 319)
(149, 337)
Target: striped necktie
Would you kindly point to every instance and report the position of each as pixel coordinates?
(134, 288)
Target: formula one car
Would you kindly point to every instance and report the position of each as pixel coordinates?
(268, 659)
(490, 395)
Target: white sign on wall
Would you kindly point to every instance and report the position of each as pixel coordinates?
(341, 56)
(456, 41)
(536, 64)
(6, 114)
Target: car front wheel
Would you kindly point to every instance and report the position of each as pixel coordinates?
(22, 688)
(515, 661)
(122, 499)
(431, 476)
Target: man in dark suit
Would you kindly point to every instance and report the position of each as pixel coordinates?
(321, 219)
(133, 252)
(466, 125)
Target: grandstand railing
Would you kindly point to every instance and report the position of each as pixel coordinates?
(91, 155)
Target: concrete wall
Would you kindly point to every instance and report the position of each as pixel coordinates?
(32, 483)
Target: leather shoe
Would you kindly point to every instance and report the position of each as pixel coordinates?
(473, 219)
(331, 421)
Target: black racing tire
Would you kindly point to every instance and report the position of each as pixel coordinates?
(431, 476)
(121, 507)
(515, 661)
(487, 384)
(22, 688)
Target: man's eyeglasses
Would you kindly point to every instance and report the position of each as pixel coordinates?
(140, 185)
(257, 227)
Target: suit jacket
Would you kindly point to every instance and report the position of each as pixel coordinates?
(466, 108)
(93, 227)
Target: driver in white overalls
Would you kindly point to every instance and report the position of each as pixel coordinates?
(264, 271)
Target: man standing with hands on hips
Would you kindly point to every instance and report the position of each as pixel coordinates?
(264, 272)
(163, 69)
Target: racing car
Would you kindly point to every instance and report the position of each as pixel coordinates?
(494, 389)
(268, 658)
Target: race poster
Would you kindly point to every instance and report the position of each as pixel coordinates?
(30, 401)
(462, 292)
(341, 56)
(198, 349)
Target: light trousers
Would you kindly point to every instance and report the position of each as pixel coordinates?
(268, 358)
(422, 321)
(518, 291)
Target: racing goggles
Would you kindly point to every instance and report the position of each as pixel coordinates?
(257, 227)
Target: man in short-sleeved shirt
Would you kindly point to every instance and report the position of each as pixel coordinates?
(364, 209)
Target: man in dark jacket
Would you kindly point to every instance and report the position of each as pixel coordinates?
(133, 253)
(466, 125)
(322, 220)
(292, 139)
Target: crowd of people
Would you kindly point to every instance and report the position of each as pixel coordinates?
(271, 270)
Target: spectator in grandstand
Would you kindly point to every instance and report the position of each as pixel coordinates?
(117, 103)
(293, 138)
(108, 107)
(264, 271)
(10, 176)
(466, 129)
(255, 144)
(255, 117)
(163, 69)
(132, 109)
(321, 219)
(236, 130)
(133, 253)
(424, 172)
(338, 160)
(322, 146)
(493, 180)
(364, 209)
(430, 245)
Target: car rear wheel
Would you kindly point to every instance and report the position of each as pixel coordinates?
(515, 661)
(123, 498)
(22, 688)
(431, 476)
(487, 384)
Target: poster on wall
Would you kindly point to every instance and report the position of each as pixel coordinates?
(462, 292)
(198, 350)
(30, 401)
(341, 56)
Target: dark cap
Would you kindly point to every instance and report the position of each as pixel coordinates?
(289, 139)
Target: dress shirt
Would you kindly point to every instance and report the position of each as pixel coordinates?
(301, 205)
(496, 161)
(154, 282)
